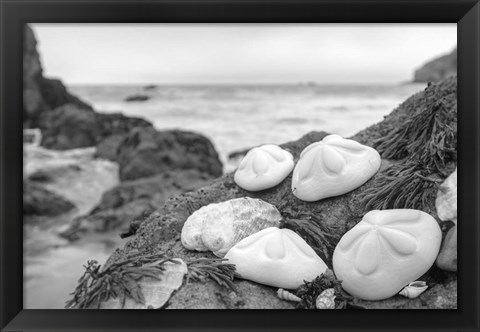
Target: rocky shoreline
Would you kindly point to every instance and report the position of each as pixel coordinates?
(437, 69)
(167, 175)
(153, 164)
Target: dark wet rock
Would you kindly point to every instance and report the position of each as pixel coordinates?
(145, 152)
(447, 259)
(132, 200)
(33, 102)
(237, 155)
(137, 97)
(107, 148)
(150, 87)
(438, 69)
(39, 201)
(56, 94)
(70, 126)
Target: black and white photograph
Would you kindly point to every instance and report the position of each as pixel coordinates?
(240, 166)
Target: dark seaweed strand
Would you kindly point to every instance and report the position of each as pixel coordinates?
(401, 186)
(426, 137)
(310, 290)
(118, 280)
(212, 268)
(319, 235)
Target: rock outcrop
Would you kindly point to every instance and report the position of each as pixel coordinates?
(38, 201)
(40, 94)
(66, 121)
(153, 166)
(134, 200)
(144, 152)
(70, 126)
(320, 223)
(437, 69)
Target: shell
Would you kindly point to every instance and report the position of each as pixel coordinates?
(385, 251)
(326, 299)
(276, 257)
(218, 227)
(264, 167)
(446, 202)
(156, 292)
(414, 289)
(286, 295)
(332, 167)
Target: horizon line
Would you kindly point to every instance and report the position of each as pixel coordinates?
(300, 83)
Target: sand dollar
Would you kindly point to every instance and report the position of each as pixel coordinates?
(386, 251)
(332, 167)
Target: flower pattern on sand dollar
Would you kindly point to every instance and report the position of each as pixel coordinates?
(385, 251)
(332, 167)
(263, 167)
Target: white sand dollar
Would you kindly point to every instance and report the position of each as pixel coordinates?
(263, 167)
(219, 226)
(386, 251)
(332, 167)
(276, 257)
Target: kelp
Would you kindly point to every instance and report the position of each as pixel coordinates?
(429, 137)
(310, 290)
(212, 268)
(321, 236)
(121, 279)
(406, 186)
(427, 145)
(118, 280)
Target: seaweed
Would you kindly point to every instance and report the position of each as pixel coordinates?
(428, 137)
(310, 290)
(405, 186)
(320, 236)
(212, 268)
(118, 280)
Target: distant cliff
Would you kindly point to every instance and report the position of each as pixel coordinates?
(437, 69)
(39, 93)
(66, 121)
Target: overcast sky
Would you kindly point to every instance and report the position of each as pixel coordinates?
(239, 53)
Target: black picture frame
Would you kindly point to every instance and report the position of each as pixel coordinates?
(15, 13)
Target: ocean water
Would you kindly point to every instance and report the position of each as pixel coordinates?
(52, 265)
(233, 117)
(236, 117)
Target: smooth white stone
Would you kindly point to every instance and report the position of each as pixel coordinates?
(332, 167)
(385, 251)
(263, 167)
(276, 257)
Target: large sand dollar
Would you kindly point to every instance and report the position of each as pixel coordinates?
(276, 257)
(386, 251)
(334, 166)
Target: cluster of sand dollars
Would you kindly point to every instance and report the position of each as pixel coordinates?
(383, 254)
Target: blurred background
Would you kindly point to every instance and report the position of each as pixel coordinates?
(117, 118)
